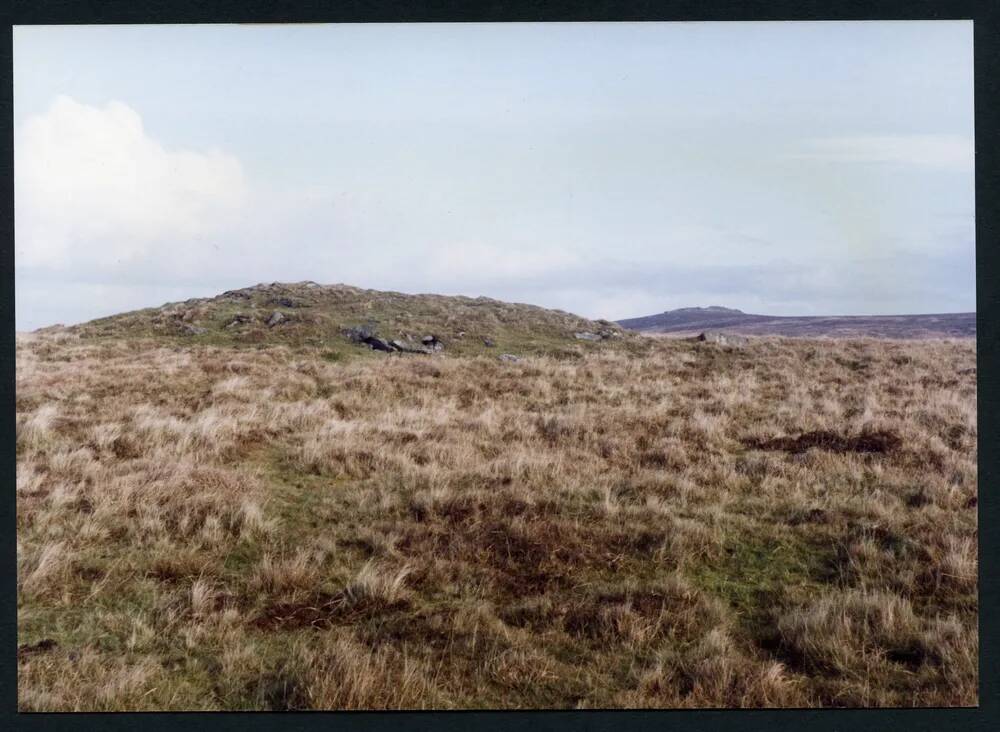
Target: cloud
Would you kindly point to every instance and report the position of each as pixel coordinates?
(110, 219)
(92, 186)
(949, 152)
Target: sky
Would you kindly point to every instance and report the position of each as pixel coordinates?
(609, 169)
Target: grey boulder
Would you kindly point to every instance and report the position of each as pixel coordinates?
(406, 347)
(360, 333)
(723, 339)
(238, 319)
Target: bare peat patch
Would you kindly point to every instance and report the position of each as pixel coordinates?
(30, 649)
(874, 442)
(322, 611)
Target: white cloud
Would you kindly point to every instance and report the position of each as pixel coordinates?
(951, 152)
(92, 185)
(110, 219)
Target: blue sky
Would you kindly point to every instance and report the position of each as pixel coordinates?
(612, 170)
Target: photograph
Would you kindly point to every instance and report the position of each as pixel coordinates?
(495, 366)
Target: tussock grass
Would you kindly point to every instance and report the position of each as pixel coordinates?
(671, 525)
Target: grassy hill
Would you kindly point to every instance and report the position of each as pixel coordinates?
(318, 315)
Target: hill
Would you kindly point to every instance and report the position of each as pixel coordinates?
(345, 319)
(690, 321)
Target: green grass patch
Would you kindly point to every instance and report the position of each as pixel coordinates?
(756, 574)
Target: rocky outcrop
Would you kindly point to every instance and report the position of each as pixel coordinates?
(368, 335)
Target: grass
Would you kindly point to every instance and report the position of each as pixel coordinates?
(319, 314)
(755, 573)
(633, 523)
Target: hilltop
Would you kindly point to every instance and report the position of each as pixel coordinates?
(690, 321)
(347, 319)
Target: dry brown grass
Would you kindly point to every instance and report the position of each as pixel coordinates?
(205, 528)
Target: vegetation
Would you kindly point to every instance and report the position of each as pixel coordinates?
(316, 316)
(630, 523)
